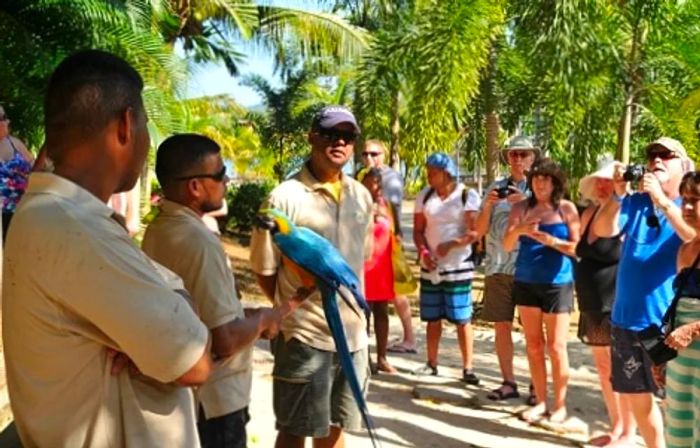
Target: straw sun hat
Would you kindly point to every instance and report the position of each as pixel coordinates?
(586, 186)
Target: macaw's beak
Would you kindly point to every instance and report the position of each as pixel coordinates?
(266, 222)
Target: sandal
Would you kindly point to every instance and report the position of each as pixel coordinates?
(531, 400)
(400, 348)
(500, 395)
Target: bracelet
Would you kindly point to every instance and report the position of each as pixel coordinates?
(666, 206)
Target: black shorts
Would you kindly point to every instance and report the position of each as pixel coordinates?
(552, 299)
(227, 431)
(631, 366)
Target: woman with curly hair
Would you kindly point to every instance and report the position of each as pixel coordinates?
(547, 228)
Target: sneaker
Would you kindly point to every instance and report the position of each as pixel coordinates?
(469, 378)
(427, 369)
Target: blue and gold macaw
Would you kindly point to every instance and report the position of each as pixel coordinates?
(317, 256)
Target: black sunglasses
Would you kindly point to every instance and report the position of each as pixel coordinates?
(663, 155)
(333, 135)
(218, 177)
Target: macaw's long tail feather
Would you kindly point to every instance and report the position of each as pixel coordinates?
(359, 297)
(330, 307)
(352, 304)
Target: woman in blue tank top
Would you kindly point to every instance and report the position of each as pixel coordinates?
(546, 228)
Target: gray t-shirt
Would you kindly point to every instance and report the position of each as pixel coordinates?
(497, 260)
(392, 187)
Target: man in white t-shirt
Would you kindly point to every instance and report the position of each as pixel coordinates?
(443, 232)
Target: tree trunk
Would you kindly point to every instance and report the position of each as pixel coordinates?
(145, 198)
(624, 131)
(395, 128)
(633, 85)
(493, 124)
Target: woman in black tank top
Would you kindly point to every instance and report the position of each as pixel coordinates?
(595, 275)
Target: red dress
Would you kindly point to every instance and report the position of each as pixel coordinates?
(379, 270)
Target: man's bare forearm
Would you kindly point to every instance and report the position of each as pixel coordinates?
(268, 284)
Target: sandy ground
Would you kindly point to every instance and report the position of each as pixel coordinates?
(412, 411)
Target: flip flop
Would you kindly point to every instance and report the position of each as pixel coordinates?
(399, 348)
(601, 440)
(533, 418)
(499, 395)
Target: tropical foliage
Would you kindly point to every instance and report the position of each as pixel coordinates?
(582, 77)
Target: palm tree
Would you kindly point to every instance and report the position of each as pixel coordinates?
(42, 33)
(607, 71)
(434, 58)
(209, 30)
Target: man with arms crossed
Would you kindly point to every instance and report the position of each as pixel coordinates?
(77, 289)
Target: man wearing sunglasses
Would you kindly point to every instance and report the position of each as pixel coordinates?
(310, 393)
(193, 177)
(499, 264)
(653, 229)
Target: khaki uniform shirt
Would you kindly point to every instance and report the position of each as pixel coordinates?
(76, 285)
(347, 225)
(179, 240)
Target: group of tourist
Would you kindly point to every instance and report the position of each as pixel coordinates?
(619, 255)
(109, 344)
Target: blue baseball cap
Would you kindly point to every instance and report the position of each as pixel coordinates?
(331, 116)
(442, 161)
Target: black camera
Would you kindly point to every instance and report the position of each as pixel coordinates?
(634, 173)
(652, 341)
(503, 192)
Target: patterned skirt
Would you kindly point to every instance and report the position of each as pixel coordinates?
(683, 385)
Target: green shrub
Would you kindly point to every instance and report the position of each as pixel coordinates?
(244, 201)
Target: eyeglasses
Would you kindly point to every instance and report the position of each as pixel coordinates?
(4, 117)
(218, 177)
(520, 154)
(371, 154)
(333, 135)
(663, 155)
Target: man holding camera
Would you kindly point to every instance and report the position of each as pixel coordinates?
(499, 264)
(653, 228)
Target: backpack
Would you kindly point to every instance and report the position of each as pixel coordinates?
(479, 246)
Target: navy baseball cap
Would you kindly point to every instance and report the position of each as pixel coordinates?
(331, 116)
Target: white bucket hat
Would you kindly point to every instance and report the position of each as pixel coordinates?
(586, 186)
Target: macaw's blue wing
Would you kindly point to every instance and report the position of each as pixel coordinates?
(330, 308)
(319, 257)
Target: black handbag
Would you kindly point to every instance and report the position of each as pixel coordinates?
(652, 337)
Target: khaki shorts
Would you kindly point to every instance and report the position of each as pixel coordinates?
(310, 391)
(498, 298)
